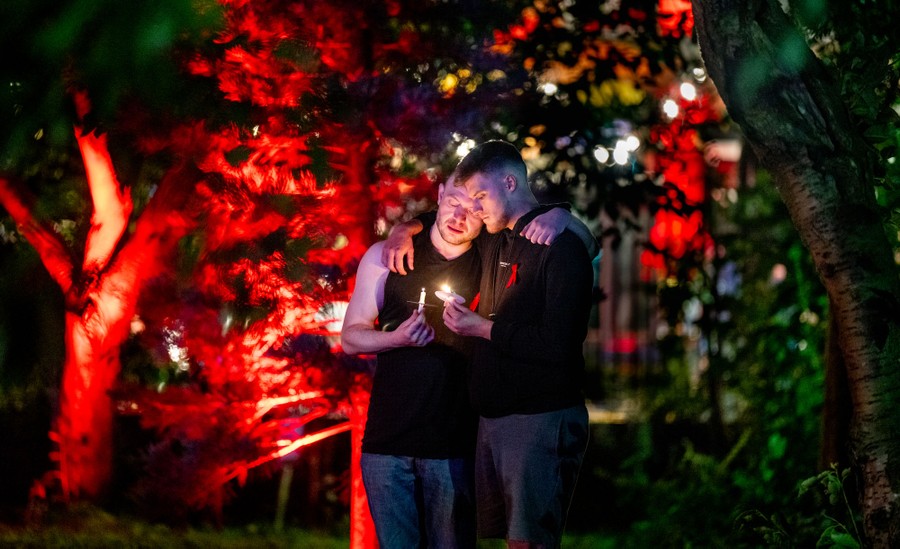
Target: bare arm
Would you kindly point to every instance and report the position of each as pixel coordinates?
(358, 334)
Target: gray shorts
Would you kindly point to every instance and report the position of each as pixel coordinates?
(526, 466)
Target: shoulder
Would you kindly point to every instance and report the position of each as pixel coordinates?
(374, 252)
(568, 244)
(485, 241)
(422, 240)
(371, 261)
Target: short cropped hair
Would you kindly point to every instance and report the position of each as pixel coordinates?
(489, 157)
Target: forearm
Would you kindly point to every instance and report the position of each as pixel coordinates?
(407, 229)
(359, 340)
(482, 329)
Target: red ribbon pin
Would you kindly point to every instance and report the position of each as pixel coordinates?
(513, 276)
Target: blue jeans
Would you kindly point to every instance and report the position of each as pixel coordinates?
(417, 502)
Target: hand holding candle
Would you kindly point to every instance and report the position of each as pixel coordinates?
(447, 295)
(460, 320)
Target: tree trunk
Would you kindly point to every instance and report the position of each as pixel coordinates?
(362, 528)
(837, 406)
(791, 113)
(84, 425)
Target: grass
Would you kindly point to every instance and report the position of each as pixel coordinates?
(96, 529)
(92, 528)
(160, 537)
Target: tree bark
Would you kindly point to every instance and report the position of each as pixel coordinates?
(837, 406)
(792, 116)
(84, 425)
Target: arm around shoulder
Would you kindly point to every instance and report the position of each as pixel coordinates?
(397, 250)
(554, 219)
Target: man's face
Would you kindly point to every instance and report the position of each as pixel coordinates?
(489, 201)
(455, 223)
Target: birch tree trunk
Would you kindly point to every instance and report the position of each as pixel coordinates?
(790, 110)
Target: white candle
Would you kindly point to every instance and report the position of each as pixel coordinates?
(422, 300)
(446, 294)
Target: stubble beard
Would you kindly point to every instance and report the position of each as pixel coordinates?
(494, 225)
(453, 238)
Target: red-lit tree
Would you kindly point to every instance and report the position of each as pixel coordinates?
(102, 265)
(326, 110)
(334, 94)
(100, 296)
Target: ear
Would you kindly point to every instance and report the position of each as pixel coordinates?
(440, 192)
(510, 182)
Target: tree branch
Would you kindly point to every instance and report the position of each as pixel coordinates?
(112, 202)
(53, 253)
(165, 219)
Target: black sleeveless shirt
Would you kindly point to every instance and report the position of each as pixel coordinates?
(419, 405)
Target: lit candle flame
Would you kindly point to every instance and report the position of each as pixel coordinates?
(446, 294)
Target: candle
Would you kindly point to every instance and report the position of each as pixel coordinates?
(446, 294)
(422, 300)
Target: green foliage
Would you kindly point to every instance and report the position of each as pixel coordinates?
(858, 41)
(122, 52)
(833, 482)
(678, 506)
(816, 521)
(735, 439)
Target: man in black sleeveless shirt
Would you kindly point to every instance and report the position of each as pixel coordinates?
(419, 439)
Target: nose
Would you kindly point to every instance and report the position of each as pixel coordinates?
(459, 212)
(476, 209)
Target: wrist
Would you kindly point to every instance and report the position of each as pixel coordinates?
(393, 340)
(410, 227)
(487, 328)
